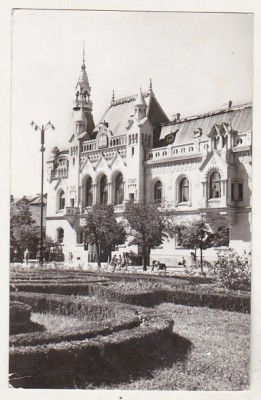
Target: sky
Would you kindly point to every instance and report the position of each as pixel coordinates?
(196, 61)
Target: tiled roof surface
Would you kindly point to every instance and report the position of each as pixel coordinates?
(119, 113)
(239, 117)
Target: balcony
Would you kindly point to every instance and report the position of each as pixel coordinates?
(119, 208)
(68, 211)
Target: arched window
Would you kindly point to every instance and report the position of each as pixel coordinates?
(88, 192)
(183, 190)
(103, 190)
(62, 200)
(119, 189)
(60, 235)
(158, 191)
(215, 185)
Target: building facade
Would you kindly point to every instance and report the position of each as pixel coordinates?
(195, 166)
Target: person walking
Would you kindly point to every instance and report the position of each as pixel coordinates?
(114, 262)
(26, 256)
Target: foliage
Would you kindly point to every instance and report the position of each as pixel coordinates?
(102, 227)
(221, 237)
(197, 234)
(234, 270)
(23, 231)
(149, 226)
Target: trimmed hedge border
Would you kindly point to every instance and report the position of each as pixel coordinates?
(94, 310)
(239, 302)
(100, 360)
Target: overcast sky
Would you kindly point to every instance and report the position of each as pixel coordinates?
(196, 62)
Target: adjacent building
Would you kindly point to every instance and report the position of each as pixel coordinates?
(195, 166)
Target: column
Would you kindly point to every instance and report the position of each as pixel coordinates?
(109, 184)
(94, 188)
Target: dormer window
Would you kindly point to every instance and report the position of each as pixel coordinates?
(103, 141)
(197, 132)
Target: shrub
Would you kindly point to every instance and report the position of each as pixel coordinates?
(102, 359)
(234, 270)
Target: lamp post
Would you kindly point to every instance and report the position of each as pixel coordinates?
(42, 149)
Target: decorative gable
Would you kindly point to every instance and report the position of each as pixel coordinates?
(214, 161)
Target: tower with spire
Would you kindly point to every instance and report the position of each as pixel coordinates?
(82, 103)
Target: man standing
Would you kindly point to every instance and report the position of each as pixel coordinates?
(26, 256)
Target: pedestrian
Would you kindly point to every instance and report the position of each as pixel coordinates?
(26, 256)
(125, 260)
(120, 262)
(114, 262)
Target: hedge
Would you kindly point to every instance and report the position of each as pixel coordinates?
(94, 310)
(101, 360)
(190, 296)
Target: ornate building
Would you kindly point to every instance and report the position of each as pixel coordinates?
(199, 165)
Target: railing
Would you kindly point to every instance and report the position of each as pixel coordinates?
(177, 151)
(59, 173)
(71, 210)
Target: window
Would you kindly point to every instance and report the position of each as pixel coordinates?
(72, 202)
(119, 189)
(103, 141)
(215, 185)
(240, 191)
(178, 237)
(237, 191)
(132, 151)
(88, 192)
(62, 200)
(158, 191)
(60, 235)
(233, 191)
(131, 197)
(103, 190)
(184, 190)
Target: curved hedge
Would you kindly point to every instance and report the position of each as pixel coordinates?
(190, 296)
(100, 360)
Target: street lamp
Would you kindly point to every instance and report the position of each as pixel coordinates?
(42, 149)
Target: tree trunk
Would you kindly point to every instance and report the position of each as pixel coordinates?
(98, 254)
(201, 260)
(144, 258)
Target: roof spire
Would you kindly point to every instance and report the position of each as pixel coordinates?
(83, 53)
(113, 98)
(140, 100)
(150, 87)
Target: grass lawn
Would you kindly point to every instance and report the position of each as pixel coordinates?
(56, 323)
(219, 358)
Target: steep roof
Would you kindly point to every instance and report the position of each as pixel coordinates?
(240, 118)
(122, 110)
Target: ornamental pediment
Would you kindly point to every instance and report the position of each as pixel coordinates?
(117, 161)
(214, 161)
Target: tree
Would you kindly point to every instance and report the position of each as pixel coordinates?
(149, 226)
(196, 234)
(101, 226)
(234, 269)
(23, 231)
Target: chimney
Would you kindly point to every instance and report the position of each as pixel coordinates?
(226, 105)
(176, 117)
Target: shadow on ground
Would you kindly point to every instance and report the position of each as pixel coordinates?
(112, 367)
